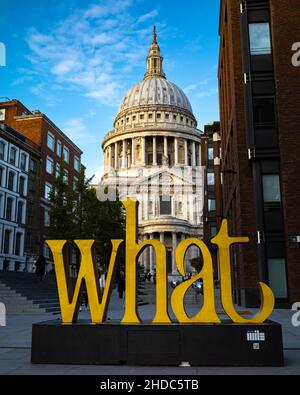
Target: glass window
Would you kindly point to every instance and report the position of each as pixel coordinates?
(13, 156)
(211, 205)
(271, 188)
(66, 155)
(46, 218)
(210, 153)
(1, 175)
(76, 163)
(2, 150)
(22, 186)
(57, 169)
(277, 277)
(75, 181)
(165, 205)
(58, 148)
(50, 141)
(32, 165)
(6, 247)
(48, 190)
(20, 212)
(264, 110)
(11, 180)
(210, 179)
(260, 41)
(66, 176)
(49, 165)
(18, 243)
(213, 230)
(150, 207)
(23, 161)
(9, 205)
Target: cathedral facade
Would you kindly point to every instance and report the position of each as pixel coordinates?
(153, 155)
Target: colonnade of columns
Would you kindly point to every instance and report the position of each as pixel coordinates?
(123, 153)
(148, 257)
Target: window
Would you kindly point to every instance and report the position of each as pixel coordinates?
(75, 182)
(277, 277)
(180, 207)
(58, 148)
(165, 205)
(150, 116)
(181, 119)
(57, 170)
(6, 247)
(22, 186)
(167, 116)
(260, 41)
(11, 180)
(210, 153)
(66, 176)
(32, 165)
(213, 230)
(66, 155)
(9, 206)
(49, 165)
(46, 218)
(18, 243)
(150, 207)
(142, 116)
(1, 175)
(210, 179)
(158, 116)
(20, 212)
(134, 117)
(48, 190)
(23, 162)
(211, 205)
(271, 188)
(174, 117)
(264, 111)
(50, 141)
(13, 156)
(2, 150)
(76, 163)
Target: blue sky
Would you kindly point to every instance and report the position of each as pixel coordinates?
(74, 60)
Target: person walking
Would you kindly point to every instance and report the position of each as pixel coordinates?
(40, 267)
(121, 284)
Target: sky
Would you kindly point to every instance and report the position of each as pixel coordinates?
(74, 60)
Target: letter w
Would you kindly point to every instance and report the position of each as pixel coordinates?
(70, 301)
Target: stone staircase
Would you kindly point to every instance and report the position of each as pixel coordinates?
(24, 293)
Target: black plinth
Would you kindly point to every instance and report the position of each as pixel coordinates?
(111, 343)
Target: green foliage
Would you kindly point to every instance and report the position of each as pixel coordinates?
(197, 263)
(78, 214)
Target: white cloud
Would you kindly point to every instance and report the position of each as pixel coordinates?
(147, 16)
(76, 130)
(91, 51)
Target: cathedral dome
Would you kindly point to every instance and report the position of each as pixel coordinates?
(155, 91)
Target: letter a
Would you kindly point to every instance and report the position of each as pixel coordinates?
(69, 301)
(223, 241)
(208, 312)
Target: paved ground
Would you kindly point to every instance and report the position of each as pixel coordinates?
(15, 342)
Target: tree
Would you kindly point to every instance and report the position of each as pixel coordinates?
(78, 214)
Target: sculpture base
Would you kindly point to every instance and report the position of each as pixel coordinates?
(112, 343)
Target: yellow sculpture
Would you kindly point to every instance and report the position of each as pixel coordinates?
(88, 276)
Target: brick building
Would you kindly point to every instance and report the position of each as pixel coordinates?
(259, 89)
(56, 150)
(212, 204)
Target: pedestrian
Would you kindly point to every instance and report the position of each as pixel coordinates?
(149, 276)
(40, 267)
(121, 284)
(5, 264)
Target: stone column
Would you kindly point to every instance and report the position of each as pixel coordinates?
(176, 150)
(166, 146)
(154, 152)
(133, 151)
(110, 157)
(143, 151)
(151, 255)
(193, 154)
(174, 245)
(116, 155)
(186, 152)
(123, 153)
